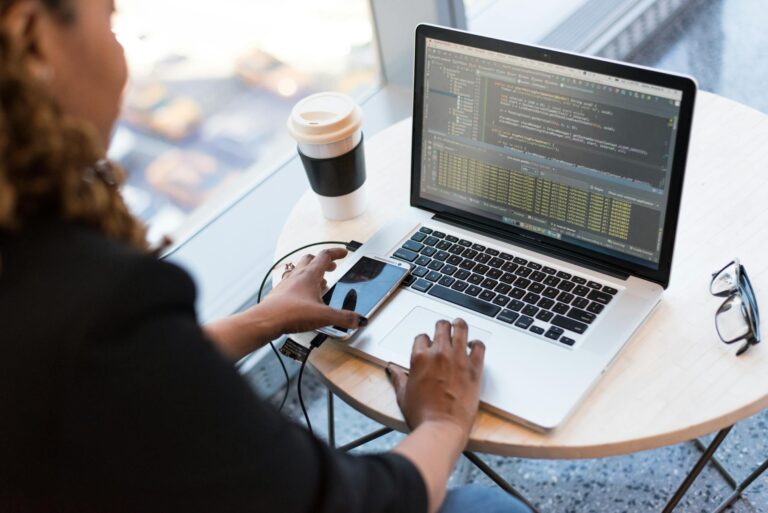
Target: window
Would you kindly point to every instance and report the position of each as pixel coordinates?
(212, 85)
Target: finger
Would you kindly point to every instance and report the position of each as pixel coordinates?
(344, 318)
(305, 261)
(460, 333)
(324, 284)
(442, 338)
(477, 354)
(421, 343)
(326, 257)
(399, 378)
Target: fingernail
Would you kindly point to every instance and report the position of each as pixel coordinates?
(363, 321)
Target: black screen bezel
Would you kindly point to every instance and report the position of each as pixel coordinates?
(685, 84)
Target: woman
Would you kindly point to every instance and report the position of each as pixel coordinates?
(112, 397)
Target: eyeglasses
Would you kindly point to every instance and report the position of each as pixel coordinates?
(738, 318)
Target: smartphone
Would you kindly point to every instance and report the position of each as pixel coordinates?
(364, 288)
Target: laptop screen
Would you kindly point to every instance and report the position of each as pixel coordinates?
(581, 157)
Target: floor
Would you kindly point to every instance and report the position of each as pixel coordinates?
(719, 42)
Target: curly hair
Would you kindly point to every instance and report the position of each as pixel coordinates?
(47, 159)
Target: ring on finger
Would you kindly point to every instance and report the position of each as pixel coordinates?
(289, 267)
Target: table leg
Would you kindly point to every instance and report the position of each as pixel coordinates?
(365, 439)
(331, 421)
(716, 463)
(496, 478)
(696, 470)
(742, 486)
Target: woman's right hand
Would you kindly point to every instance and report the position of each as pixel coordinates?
(443, 384)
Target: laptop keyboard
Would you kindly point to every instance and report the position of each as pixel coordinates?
(511, 289)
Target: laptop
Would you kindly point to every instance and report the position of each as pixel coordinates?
(545, 192)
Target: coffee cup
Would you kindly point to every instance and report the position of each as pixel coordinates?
(328, 130)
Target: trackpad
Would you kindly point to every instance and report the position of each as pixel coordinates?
(399, 341)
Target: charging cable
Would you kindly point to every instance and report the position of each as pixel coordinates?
(351, 246)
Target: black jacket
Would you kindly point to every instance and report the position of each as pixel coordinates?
(112, 399)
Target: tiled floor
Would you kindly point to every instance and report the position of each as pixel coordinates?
(723, 43)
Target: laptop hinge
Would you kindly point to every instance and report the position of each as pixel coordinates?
(461, 222)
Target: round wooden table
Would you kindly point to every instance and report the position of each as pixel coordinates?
(675, 380)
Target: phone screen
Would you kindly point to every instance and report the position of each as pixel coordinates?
(364, 286)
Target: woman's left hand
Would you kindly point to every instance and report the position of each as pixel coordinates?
(296, 303)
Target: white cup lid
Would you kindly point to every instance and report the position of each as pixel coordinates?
(324, 118)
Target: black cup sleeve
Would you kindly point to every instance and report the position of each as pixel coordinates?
(336, 176)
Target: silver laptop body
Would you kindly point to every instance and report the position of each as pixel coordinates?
(532, 166)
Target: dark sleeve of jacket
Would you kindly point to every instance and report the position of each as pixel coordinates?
(154, 418)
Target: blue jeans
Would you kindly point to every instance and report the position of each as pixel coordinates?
(481, 499)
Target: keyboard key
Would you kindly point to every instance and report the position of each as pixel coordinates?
(434, 276)
(451, 238)
(600, 297)
(520, 261)
(456, 249)
(537, 288)
(476, 279)
(442, 256)
(462, 274)
(544, 315)
(421, 285)
(508, 316)
(446, 281)
(431, 241)
(492, 252)
(594, 285)
(532, 298)
(549, 270)
(482, 269)
(578, 280)
(530, 310)
(428, 251)
(426, 230)
(534, 266)
(435, 265)
(522, 283)
(554, 333)
(561, 308)
(496, 262)
(509, 267)
(443, 244)
(579, 302)
(538, 276)
(423, 260)
(550, 292)
(537, 330)
(474, 290)
(595, 308)
(465, 243)
(523, 271)
(449, 270)
(457, 298)
(503, 288)
(420, 272)
(610, 290)
(405, 254)
(516, 305)
(487, 295)
(439, 235)
(494, 274)
(563, 275)
(567, 341)
(524, 322)
(569, 324)
(507, 278)
(413, 245)
(483, 258)
(470, 253)
(461, 286)
(505, 256)
(581, 290)
(454, 260)
(517, 293)
(546, 303)
(565, 297)
(489, 284)
(566, 286)
(552, 281)
(501, 300)
(418, 236)
(478, 247)
(581, 315)
(467, 264)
